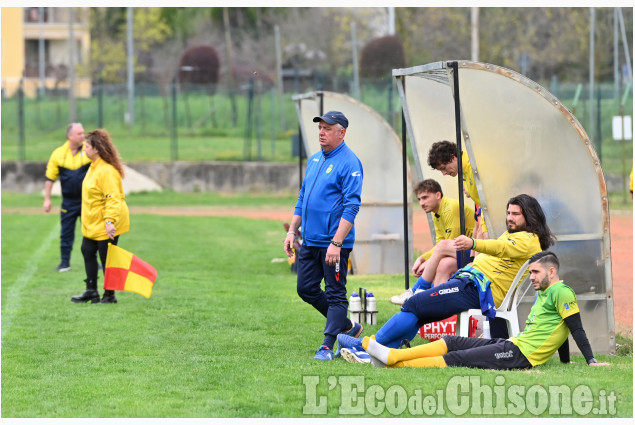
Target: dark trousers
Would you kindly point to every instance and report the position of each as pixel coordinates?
(70, 211)
(440, 302)
(484, 353)
(90, 248)
(330, 302)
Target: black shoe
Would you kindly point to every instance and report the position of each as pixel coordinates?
(109, 299)
(89, 295)
(63, 267)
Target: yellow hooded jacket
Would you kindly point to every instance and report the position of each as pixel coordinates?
(103, 199)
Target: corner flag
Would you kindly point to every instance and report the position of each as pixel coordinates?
(127, 272)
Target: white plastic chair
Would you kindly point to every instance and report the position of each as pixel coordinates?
(507, 310)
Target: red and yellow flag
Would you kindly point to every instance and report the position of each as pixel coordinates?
(127, 272)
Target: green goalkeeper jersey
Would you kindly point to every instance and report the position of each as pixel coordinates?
(545, 330)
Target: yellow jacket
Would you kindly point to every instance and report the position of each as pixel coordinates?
(103, 199)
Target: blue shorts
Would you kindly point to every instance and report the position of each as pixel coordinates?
(440, 302)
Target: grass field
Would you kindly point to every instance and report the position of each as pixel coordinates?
(225, 335)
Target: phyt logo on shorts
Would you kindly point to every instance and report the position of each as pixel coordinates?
(328, 170)
(356, 173)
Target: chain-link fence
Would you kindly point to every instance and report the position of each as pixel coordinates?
(251, 122)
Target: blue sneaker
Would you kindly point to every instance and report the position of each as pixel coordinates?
(347, 341)
(353, 355)
(324, 353)
(355, 331)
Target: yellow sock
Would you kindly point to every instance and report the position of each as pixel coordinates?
(436, 361)
(365, 341)
(433, 349)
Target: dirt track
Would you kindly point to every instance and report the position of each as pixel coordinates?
(621, 247)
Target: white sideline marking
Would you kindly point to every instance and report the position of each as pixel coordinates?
(13, 299)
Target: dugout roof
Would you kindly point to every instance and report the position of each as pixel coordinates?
(521, 139)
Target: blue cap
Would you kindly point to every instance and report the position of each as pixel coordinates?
(333, 117)
(354, 294)
(370, 294)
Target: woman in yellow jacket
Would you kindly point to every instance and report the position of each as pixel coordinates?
(105, 213)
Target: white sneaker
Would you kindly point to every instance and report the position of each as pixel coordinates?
(419, 290)
(353, 355)
(400, 299)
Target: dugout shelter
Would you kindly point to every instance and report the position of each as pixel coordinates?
(382, 241)
(520, 139)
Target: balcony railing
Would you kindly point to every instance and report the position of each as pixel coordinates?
(55, 15)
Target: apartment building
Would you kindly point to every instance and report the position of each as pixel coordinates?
(37, 49)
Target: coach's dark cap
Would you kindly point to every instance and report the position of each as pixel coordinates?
(333, 117)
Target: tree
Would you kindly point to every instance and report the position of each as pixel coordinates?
(108, 48)
(555, 41)
(199, 65)
(381, 55)
(181, 20)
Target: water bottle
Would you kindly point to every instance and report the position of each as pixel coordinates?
(371, 309)
(355, 307)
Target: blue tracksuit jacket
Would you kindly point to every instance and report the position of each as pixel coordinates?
(331, 190)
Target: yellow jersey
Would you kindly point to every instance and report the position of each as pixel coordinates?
(500, 259)
(470, 185)
(447, 222)
(468, 178)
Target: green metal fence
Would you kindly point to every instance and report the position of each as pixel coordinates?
(195, 122)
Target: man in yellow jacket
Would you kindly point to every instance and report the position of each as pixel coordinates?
(69, 164)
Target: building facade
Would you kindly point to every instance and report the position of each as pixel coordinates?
(37, 52)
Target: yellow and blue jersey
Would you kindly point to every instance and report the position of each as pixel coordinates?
(69, 168)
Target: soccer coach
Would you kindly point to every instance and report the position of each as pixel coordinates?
(328, 203)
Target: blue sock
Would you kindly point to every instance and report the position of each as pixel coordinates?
(402, 325)
(422, 284)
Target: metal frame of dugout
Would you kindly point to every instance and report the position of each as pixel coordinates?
(520, 139)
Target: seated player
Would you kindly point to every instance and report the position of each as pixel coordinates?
(482, 285)
(439, 263)
(553, 316)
